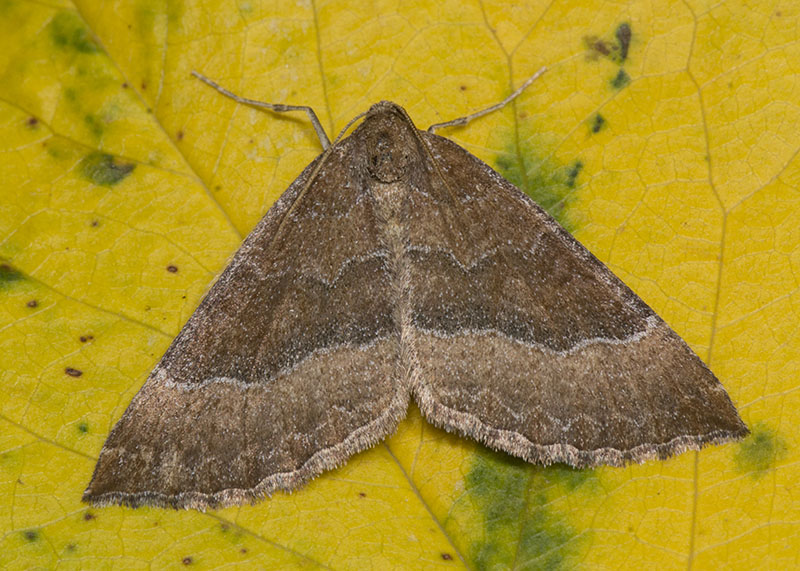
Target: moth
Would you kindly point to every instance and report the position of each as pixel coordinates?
(399, 266)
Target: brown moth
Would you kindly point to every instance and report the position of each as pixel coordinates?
(399, 265)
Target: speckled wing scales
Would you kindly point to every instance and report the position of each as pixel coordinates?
(526, 342)
(241, 406)
(400, 265)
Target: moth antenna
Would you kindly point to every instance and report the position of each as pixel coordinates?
(464, 120)
(404, 267)
(279, 107)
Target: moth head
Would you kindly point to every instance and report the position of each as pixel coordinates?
(391, 142)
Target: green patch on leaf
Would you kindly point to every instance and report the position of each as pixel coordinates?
(9, 275)
(68, 31)
(760, 451)
(545, 540)
(83, 427)
(572, 173)
(623, 35)
(549, 186)
(568, 477)
(10, 461)
(620, 80)
(104, 169)
(520, 528)
(31, 535)
(598, 122)
(95, 125)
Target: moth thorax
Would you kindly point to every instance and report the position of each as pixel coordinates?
(389, 199)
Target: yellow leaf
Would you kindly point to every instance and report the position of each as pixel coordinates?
(664, 135)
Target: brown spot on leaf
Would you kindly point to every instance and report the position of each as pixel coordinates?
(616, 50)
(89, 516)
(447, 557)
(85, 338)
(94, 223)
(31, 535)
(173, 269)
(596, 46)
(32, 121)
(180, 135)
(73, 372)
(32, 303)
(187, 560)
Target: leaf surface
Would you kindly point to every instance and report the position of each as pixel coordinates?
(664, 136)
